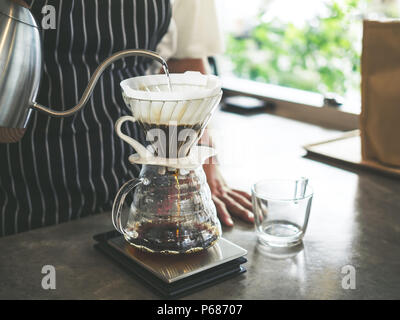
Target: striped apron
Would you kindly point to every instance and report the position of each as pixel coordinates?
(64, 169)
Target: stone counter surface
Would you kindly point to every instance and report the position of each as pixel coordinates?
(355, 220)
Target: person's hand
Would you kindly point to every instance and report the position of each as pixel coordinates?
(228, 201)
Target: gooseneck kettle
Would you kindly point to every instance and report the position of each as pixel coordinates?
(21, 67)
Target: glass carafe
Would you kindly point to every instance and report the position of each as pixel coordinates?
(171, 211)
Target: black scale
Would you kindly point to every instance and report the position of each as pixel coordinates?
(174, 276)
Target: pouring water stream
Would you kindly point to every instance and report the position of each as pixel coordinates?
(165, 68)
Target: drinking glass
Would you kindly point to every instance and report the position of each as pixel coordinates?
(281, 208)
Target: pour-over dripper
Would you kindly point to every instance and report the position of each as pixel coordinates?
(172, 211)
(173, 120)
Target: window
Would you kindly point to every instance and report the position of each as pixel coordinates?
(312, 45)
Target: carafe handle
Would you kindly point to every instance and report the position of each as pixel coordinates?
(119, 202)
(140, 149)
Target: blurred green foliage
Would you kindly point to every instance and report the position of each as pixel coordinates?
(323, 55)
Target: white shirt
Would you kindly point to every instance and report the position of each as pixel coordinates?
(194, 31)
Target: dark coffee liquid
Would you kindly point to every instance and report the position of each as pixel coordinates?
(168, 236)
(171, 141)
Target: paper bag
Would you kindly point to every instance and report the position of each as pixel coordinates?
(380, 88)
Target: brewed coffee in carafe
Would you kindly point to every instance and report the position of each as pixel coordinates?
(172, 211)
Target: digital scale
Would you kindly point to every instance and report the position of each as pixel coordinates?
(175, 275)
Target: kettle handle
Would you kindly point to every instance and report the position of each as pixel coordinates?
(95, 77)
(21, 3)
(119, 202)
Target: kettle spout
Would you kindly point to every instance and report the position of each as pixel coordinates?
(95, 77)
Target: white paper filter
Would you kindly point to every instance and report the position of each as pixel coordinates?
(192, 99)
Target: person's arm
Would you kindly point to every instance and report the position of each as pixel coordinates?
(227, 201)
(182, 65)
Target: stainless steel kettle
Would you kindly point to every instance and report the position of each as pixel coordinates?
(21, 66)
